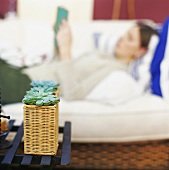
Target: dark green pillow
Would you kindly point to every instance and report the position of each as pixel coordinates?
(13, 83)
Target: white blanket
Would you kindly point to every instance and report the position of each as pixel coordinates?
(25, 43)
(21, 57)
(116, 88)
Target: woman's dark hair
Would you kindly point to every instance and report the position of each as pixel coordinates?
(146, 32)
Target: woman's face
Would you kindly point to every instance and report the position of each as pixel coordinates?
(128, 46)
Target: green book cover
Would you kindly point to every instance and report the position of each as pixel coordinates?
(62, 13)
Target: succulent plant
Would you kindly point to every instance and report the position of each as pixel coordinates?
(44, 83)
(41, 94)
(45, 90)
(40, 99)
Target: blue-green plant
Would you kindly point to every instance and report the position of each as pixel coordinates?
(40, 96)
(44, 83)
(40, 89)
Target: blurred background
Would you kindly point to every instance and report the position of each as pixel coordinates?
(156, 10)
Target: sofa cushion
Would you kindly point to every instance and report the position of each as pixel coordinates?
(143, 118)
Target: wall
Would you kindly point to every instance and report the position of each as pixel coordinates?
(7, 6)
(157, 10)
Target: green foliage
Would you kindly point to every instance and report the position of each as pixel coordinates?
(44, 83)
(41, 94)
(45, 89)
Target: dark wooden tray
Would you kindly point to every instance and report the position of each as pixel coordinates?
(14, 156)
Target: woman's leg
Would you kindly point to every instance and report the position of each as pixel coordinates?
(44, 71)
(13, 83)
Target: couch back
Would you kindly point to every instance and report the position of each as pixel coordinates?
(46, 10)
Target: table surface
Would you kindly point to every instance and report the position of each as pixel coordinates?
(14, 156)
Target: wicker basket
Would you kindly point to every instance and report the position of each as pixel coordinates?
(40, 129)
(57, 92)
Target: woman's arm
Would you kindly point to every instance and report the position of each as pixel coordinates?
(64, 40)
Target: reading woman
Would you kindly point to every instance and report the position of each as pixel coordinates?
(77, 77)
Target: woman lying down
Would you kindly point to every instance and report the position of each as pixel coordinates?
(85, 76)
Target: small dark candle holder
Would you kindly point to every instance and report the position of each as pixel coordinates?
(3, 142)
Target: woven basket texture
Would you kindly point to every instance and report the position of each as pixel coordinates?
(40, 129)
(57, 92)
(152, 155)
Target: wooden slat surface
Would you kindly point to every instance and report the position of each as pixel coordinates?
(27, 159)
(42, 161)
(66, 146)
(46, 160)
(11, 151)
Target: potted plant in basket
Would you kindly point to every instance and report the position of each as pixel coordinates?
(41, 119)
(47, 84)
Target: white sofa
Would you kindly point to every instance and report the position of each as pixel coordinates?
(141, 118)
(144, 118)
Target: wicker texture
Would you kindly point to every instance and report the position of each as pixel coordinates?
(40, 129)
(57, 92)
(152, 155)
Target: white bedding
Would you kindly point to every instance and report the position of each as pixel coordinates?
(27, 43)
(116, 88)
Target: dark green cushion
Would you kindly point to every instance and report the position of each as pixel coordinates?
(13, 83)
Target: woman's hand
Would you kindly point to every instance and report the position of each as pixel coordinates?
(64, 40)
